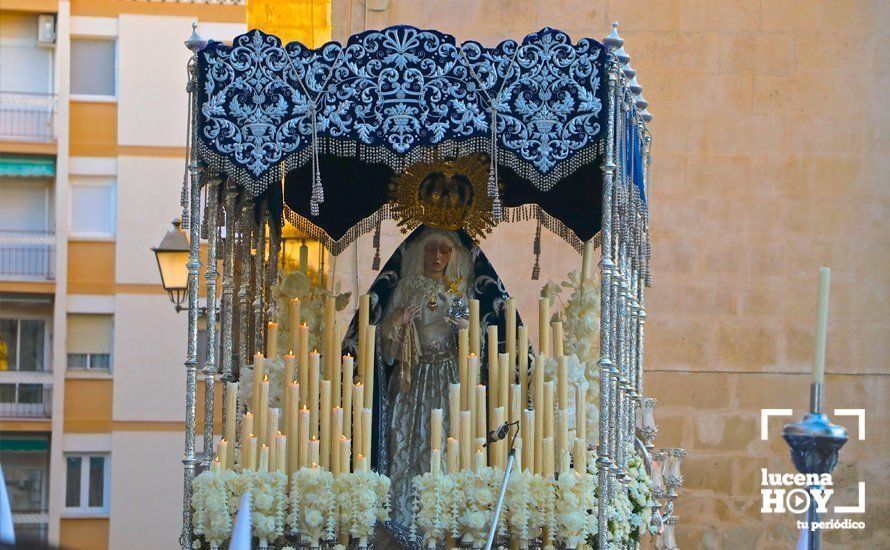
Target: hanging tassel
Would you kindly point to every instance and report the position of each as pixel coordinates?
(536, 270)
(375, 265)
(317, 189)
(493, 169)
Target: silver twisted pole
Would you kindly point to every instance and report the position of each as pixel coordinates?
(603, 461)
(244, 313)
(194, 43)
(228, 288)
(212, 276)
(259, 271)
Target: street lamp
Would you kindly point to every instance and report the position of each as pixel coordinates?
(172, 256)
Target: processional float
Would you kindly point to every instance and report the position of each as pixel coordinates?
(405, 124)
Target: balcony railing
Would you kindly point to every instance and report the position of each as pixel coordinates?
(26, 394)
(31, 527)
(27, 255)
(31, 401)
(27, 116)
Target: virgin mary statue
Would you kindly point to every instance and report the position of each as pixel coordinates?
(419, 302)
(419, 339)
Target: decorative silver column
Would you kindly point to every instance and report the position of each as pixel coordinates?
(194, 43)
(603, 461)
(228, 288)
(212, 276)
(244, 314)
(259, 270)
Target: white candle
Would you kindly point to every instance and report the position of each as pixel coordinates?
(264, 459)
(475, 343)
(463, 350)
(328, 343)
(821, 326)
(263, 412)
(248, 458)
(562, 381)
(544, 326)
(481, 415)
(435, 461)
(466, 440)
(558, 350)
(281, 453)
(272, 340)
(367, 432)
(272, 425)
(522, 355)
(348, 364)
(313, 452)
(314, 380)
(494, 376)
(222, 454)
(294, 323)
(325, 413)
(587, 261)
(368, 377)
(436, 429)
(358, 397)
(510, 333)
(303, 366)
(257, 379)
(452, 451)
(231, 414)
(454, 391)
(304, 438)
(246, 433)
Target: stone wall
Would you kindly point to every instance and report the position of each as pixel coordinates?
(770, 160)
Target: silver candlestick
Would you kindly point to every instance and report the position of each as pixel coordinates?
(815, 443)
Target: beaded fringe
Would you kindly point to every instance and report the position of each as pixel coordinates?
(257, 185)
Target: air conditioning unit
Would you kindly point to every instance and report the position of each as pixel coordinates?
(46, 31)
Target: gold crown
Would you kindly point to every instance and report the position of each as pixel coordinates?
(448, 194)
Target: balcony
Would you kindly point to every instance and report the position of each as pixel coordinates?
(26, 394)
(27, 116)
(27, 255)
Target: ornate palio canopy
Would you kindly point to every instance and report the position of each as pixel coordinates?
(342, 120)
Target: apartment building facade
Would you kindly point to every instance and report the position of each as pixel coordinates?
(92, 142)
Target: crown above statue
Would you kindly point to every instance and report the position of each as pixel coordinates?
(446, 193)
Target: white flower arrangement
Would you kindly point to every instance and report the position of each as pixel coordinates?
(434, 507)
(575, 507)
(581, 321)
(313, 504)
(268, 501)
(475, 501)
(211, 515)
(542, 492)
(363, 499)
(518, 502)
(639, 491)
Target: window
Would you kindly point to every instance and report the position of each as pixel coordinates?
(25, 460)
(89, 341)
(86, 484)
(22, 344)
(93, 67)
(26, 205)
(92, 206)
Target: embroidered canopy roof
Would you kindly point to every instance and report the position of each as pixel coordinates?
(343, 119)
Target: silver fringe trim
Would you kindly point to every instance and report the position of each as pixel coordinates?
(383, 155)
(526, 212)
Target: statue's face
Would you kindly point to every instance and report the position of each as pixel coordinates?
(436, 255)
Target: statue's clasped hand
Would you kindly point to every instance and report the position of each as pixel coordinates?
(457, 322)
(408, 314)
